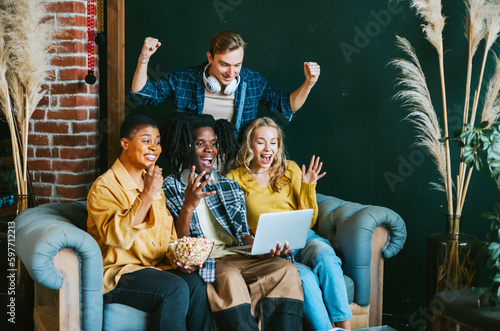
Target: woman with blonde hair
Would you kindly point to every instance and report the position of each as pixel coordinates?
(272, 184)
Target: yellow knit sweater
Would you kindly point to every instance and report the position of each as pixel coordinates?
(259, 199)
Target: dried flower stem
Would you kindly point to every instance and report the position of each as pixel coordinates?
(7, 110)
(474, 31)
(466, 187)
(483, 22)
(449, 182)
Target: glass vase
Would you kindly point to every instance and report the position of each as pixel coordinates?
(451, 263)
(22, 202)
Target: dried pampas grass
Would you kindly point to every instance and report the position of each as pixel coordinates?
(474, 24)
(475, 31)
(430, 11)
(415, 96)
(6, 105)
(482, 22)
(492, 23)
(492, 27)
(434, 22)
(29, 39)
(26, 38)
(491, 109)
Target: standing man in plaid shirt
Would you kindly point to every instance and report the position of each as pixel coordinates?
(244, 292)
(221, 87)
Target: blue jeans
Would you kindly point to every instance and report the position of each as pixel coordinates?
(325, 294)
(178, 301)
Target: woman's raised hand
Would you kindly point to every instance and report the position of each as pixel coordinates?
(153, 180)
(313, 173)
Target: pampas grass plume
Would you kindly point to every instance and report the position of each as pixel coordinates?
(430, 11)
(475, 23)
(492, 23)
(491, 110)
(415, 96)
(29, 39)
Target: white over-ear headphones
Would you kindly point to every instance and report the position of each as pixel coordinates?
(213, 85)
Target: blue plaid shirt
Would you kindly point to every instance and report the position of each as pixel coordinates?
(186, 87)
(227, 206)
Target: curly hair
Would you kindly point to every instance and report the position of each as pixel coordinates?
(177, 139)
(245, 155)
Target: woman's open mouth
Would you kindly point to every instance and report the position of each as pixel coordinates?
(266, 158)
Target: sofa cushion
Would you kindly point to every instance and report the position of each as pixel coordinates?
(118, 317)
(349, 284)
(125, 318)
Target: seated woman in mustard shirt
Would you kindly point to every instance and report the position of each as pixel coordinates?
(273, 184)
(129, 220)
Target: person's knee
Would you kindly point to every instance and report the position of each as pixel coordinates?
(290, 275)
(175, 286)
(229, 278)
(307, 277)
(320, 253)
(180, 296)
(287, 267)
(197, 286)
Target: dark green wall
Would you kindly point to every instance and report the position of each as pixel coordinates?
(349, 119)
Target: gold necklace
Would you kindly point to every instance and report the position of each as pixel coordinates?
(258, 173)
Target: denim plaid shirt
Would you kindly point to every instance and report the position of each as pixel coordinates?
(186, 87)
(227, 206)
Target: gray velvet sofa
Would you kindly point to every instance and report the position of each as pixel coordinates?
(65, 263)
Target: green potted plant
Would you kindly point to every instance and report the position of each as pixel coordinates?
(482, 146)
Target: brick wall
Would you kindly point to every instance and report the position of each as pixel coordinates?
(63, 142)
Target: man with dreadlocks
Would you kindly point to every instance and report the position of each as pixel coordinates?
(245, 293)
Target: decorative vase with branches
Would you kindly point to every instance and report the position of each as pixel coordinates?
(482, 23)
(25, 38)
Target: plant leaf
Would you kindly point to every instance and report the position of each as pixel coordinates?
(483, 124)
(477, 289)
(469, 159)
(497, 208)
(479, 163)
(489, 216)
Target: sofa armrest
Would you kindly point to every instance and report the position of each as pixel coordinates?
(350, 227)
(45, 231)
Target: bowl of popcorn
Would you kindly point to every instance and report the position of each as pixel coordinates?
(191, 251)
